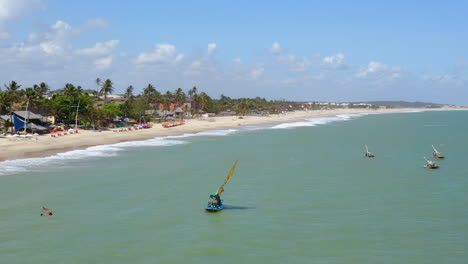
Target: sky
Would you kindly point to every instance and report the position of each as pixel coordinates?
(294, 50)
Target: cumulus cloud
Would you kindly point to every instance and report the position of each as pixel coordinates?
(211, 48)
(103, 63)
(275, 48)
(257, 73)
(161, 53)
(336, 61)
(50, 45)
(296, 63)
(377, 69)
(99, 49)
(11, 10)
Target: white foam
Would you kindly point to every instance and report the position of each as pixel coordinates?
(310, 122)
(224, 132)
(413, 111)
(23, 165)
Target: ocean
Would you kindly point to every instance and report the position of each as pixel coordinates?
(303, 192)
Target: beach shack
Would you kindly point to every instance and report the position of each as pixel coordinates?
(179, 113)
(27, 120)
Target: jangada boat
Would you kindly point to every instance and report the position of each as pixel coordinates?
(173, 124)
(215, 203)
(368, 153)
(430, 164)
(436, 153)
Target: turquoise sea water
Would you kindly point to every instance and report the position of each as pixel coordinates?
(303, 192)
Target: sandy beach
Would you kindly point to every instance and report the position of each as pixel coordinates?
(46, 145)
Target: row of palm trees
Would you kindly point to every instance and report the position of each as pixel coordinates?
(93, 108)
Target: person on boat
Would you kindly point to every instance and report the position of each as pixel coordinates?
(46, 213)
(215, 199)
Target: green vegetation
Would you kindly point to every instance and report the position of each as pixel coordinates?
(96, 107)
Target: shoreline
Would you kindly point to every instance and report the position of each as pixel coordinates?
(45, 145)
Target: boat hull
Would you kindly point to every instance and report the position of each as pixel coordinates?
(214, 208)
(432, 167)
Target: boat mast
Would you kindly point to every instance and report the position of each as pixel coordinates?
(76, 116)
(27, 117)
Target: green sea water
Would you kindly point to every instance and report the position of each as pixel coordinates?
(302, 193)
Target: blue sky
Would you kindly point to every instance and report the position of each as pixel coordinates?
(298, 50)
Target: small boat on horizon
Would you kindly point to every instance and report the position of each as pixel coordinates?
(436, 153)
(215, 203)
(368, 153)
(430, 164)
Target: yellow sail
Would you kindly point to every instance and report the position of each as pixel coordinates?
(231, 172)
(228, 178)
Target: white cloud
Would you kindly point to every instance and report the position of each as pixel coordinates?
(257, 73)
(99, 49)
(379, 70)
(103, 63)
(10, 10)
(51, 45)
(211, 48)
(336, 61)
(275, 48)
(451, 79)
(162, 53)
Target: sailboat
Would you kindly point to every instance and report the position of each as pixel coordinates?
(436, 153)
(369, 154)
(215, 204)
(430, 164)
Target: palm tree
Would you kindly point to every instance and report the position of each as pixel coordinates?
(107, 88)
(129, 92)
(98, 82)
(151, 95)
(194, 96)
(41, 89)
(71, 90)
(179, 96)
(149, 90)
(192, 92)
(204, 100)
(30, 95)
(13, 90)
(166, 101)
(5, 102)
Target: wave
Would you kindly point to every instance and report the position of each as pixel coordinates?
(310, 122)
(111, 150)
(101, 151)
(23, 165)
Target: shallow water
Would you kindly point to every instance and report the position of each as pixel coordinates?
(302, 193)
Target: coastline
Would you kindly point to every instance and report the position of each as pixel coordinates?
(45, 145)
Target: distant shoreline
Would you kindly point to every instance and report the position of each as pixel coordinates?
(45, 145)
